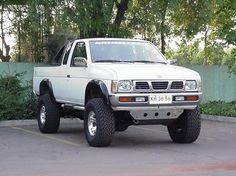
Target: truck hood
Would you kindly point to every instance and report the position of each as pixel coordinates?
(146, 71)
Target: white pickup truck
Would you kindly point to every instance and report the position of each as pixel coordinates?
(114, 83)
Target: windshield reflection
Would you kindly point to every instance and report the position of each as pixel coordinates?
(125, 51)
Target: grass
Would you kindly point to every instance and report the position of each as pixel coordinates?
(219, 108)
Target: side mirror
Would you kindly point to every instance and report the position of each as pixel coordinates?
(80, 62)
(172, 62)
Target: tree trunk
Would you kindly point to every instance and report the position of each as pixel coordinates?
(121, 9)
(163, 43)
(19, 39)
(205, 61)
(163, 20)
(7, 47)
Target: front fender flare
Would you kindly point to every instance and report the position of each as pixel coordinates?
(102, 86)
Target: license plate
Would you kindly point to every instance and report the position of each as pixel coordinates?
(160, 99)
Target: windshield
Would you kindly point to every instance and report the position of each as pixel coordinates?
(125, 51)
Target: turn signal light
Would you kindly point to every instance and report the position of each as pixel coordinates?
(192, 98)
(133, 99)
(125, 99)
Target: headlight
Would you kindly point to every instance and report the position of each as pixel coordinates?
(121, 86)
(190, 85)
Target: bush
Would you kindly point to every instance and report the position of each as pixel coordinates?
(219, 108)
(17, 100)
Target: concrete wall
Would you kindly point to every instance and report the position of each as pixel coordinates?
(217, 83)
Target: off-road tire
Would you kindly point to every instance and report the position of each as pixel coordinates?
(52, 114)
(105, 123)
(186, 128)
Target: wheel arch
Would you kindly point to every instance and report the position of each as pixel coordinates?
(97, 89)
(45, 86)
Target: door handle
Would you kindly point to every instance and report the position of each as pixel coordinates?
(68, 76)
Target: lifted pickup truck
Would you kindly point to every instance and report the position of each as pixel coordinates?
(114, 83)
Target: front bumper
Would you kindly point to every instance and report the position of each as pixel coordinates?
(142, 106)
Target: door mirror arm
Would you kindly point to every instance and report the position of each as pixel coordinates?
(172, 62)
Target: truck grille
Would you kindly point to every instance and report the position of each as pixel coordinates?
(160, 85)
(142, 85)
(177, 85)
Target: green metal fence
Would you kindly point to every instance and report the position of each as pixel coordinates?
(11, 68)
(217, 83)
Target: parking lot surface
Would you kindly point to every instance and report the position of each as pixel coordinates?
(139, 151)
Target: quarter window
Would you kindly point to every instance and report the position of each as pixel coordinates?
(67, 53)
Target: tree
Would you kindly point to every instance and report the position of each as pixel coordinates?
(97, 18)
(192, 17)
(150, 19)
(225, 21)
(41, 27)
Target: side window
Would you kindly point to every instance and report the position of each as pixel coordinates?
(79, 51)
(67, 53)
(57, 60)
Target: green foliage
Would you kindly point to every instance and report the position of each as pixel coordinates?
(225, 21)
(187, 54)
(192, 16)
(42, 26)
(192, 54)
(219, 108)
(17, 100)
(230, 60)
(36, 23)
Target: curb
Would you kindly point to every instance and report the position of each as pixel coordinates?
(218, 118)
(10, 123)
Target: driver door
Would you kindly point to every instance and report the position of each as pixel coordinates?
(78, 76)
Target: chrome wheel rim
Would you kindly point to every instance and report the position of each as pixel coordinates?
(92, 124)
(43, 114)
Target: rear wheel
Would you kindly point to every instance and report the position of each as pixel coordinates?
(48, 114)
(186, 128)
(99, 123)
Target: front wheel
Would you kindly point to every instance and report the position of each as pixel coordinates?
(186, 128)
(99, 123)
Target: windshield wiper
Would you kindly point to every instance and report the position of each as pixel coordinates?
(147, 61)
(144, 61)
(113, 61)
(161, 62)
(141, 61)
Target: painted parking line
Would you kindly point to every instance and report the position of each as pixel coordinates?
(46, 136)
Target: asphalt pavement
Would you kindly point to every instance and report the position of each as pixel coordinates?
(139, 151)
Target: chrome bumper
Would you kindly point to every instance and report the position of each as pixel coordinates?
(143, 106)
